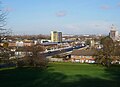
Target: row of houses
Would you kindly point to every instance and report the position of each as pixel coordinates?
(84, 56)
(81, 56)
(18, 43)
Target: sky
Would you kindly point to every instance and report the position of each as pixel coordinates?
(68, 16)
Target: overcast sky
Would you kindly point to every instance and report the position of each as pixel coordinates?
(67, 16)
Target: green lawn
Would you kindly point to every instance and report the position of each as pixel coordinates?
(61, 75)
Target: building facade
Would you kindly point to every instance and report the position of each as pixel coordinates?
(114, 33)
(56, 36)
(83, 56)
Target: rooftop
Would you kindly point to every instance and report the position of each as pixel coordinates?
(84, 52)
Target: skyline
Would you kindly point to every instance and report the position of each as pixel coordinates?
(67, 16)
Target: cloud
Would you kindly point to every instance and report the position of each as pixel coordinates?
(61, 13)
(105, 7)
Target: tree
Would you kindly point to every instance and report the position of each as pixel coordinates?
(5, 55)
(104, 55)
(117, 50)
(3, 15)
(33, 57)
(88, 42)
(4, 51)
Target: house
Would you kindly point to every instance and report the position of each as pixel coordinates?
(83, 56)
(12, 44)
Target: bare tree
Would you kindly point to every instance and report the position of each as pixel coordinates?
(3, 23)
(33, 56)
(4, 52)
(3, 15)
(104, 55)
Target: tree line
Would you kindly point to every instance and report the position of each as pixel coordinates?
(110, 52)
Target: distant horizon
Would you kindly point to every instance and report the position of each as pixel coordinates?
(68, 16)
(63, 34)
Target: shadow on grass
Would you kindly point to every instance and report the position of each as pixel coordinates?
(35, 77)
(114, 73)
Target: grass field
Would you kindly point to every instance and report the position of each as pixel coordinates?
(61, 75)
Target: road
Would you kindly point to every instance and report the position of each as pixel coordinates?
(63, 50)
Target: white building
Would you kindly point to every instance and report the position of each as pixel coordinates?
(114, 33)
(45, 41)
(19, 43)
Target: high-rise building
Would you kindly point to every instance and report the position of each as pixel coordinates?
(114, 33)
(56, 36)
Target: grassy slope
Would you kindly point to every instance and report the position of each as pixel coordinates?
(61, 75)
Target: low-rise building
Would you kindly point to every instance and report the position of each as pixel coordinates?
(83, 56)
(45, 41)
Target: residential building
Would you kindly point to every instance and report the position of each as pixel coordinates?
(83, 56)
(19, 43)
(56, 36)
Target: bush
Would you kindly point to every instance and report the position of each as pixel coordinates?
(30, 61)
(20, 63)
